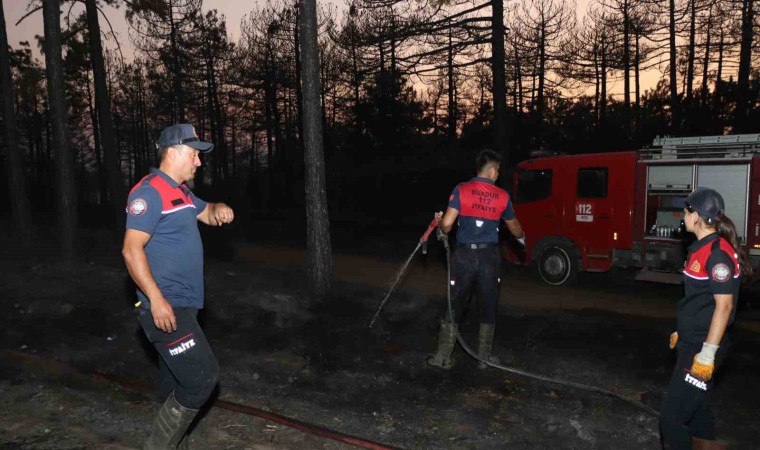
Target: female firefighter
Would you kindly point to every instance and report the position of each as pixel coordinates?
(713, 267)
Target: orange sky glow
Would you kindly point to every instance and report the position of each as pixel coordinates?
(232, 10)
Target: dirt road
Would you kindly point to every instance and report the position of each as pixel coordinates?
(427, 275)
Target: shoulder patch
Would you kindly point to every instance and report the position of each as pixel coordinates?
(695, 267)
(138, 207)
(721, 273)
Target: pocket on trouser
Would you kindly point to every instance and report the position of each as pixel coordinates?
(187, 354)
(491, 266)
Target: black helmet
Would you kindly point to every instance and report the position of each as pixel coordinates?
(707, 202)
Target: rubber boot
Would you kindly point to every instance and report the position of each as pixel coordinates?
(446, 341)
(170, 425)
(485, 344)
(706, 444)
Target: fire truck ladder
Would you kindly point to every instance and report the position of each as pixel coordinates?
(702, 147)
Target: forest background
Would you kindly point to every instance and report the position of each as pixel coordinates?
(410, 91)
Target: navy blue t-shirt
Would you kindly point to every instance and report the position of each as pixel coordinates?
(481, 205)
(168, 211)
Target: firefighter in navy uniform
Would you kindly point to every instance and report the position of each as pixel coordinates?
(712, 274)
(480, 206)
(164, 255)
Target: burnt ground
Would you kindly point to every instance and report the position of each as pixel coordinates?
(320, 363)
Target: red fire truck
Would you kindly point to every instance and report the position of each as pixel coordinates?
(591, 212)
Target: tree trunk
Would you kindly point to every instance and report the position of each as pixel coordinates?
(33, 134)
(102, 179)
(719, 71)
(637, 75)
(216, 159)
(393, 59)
(234, 150)
(533, 72)
(597, 84)
(269, 123)
(17, 190)
(219, 119)
(299, 92)
(279, 143)
(215, 113)
(179, 96)
(500, 124)
(745, 55)
(108, 143)
(319, 262)
(603, 95)
(692, 51)
(131, 157)
(381, 49)
(518, 83)
(626, 69)
(64, 164)
(355, 71)
(452, 119)
(674, 106)
(706, 65)
(541, 77)
(270, 140)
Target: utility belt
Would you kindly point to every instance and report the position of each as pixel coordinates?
(478, 246)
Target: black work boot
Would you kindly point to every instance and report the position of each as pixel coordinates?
(170, 425)
(485, 344)
(446, 341)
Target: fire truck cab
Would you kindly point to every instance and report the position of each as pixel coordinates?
(591, 212)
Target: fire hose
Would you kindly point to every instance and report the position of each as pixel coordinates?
(142, 388)
(444, 240)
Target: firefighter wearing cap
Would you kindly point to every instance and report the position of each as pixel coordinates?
(480, 207)
(711, 284)
(164, 255)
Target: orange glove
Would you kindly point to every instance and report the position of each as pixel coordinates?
(704, 362)
(702, 371)
(673, 340)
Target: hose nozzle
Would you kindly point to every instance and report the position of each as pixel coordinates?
(423, 240)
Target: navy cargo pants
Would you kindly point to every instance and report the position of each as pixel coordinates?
(475, 266)
(685, 411)
(186, 363)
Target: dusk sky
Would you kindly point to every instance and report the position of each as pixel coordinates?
(31, 26)
(233, 10)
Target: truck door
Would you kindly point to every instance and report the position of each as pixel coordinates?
(537, 204)
(590, 224)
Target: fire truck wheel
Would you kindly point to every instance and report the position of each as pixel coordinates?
(558, 264)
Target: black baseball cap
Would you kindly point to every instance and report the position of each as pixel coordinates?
(707, 202)
(183, 133)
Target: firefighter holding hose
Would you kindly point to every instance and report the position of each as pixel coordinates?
(711, 277)
(479, 207)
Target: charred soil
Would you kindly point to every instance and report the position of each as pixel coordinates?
(319, 363)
